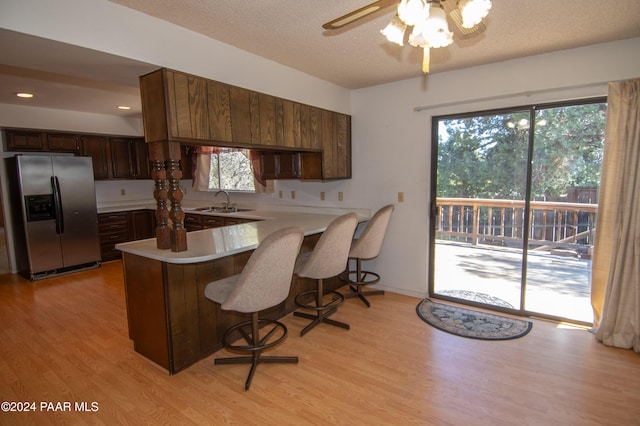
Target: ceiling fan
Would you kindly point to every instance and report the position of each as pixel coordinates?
(428, 19)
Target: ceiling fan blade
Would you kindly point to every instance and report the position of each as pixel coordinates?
(456, 17)
(358, 14)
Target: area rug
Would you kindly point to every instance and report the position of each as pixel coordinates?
(474, 296)
(470, 323)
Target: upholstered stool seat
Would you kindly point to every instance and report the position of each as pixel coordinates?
(367, 247)
(328, 259)
(264, 282)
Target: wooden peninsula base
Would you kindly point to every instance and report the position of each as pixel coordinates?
(170, 320)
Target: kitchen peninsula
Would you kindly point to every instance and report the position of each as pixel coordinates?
(170, 320)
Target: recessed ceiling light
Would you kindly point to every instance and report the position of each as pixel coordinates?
(24, 95)
(123, 107)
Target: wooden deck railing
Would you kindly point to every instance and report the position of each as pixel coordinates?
(487, 221)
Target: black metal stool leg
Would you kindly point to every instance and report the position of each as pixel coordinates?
(361, 280)
(256, 345)
(323, 311)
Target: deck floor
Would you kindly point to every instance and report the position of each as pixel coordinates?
(555, 285)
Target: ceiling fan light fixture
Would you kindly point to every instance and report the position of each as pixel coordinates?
(426, 58)
(473, 11)
(412, 12)
(394, 32)
(434, 32)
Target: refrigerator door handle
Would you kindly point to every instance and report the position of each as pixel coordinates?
(57, 204)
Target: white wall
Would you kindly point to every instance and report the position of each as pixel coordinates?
(391, 141)
(108, 27)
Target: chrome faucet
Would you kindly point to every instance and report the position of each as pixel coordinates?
(227, 205)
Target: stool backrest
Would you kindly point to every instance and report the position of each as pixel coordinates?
(266, 278)
(331, 253)
(368, 245)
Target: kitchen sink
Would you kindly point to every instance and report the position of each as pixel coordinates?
(221, 210)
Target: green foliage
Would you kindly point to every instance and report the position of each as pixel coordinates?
(231, 170)
(486, 156)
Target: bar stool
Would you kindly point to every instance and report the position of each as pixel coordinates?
(264, 282)
(367, 247)
(328, 259)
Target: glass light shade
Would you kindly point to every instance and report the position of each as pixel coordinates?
(434, 32)
(412, 12)
(394, 32)
(473, 11)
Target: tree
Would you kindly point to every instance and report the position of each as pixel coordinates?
(485, 156)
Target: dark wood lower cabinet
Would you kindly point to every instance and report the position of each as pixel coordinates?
(170, 320)
(120, 227)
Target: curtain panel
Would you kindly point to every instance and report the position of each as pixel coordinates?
(615, 287)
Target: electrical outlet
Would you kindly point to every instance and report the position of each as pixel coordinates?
(340, 196)
(401, 197)
(123, 192)
(293, 195)
(321, 195)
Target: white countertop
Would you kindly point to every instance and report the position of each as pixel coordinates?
(215, 243)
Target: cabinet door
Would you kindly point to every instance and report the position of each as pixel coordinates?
(336, 144)
(60, 142)
(140, 159)
(343, 146)
(212, 222)
(121, 156)
(240, 115)
(269, 165)
(288, 165)
(97, 148)
(186, 162)
(18, 140)
(219, 110)
(143, 224)
(192, 222)
(315, 128)
(267, 106)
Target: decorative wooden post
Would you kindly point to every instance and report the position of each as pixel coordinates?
(166, 173)
(178, 233)
(159, 176)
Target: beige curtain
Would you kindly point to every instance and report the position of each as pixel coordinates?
(615, 287)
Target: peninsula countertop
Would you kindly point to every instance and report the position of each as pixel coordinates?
(209, 244)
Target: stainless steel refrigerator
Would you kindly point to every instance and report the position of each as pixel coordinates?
(54, 214)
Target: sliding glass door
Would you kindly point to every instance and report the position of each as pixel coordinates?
(514, 200)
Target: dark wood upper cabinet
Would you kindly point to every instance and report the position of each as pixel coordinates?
(241, 127)
(336, 161)
(141, 161)
(63, 142)
(129, 158)
(267, 112)
(24, 140)
(97, 148)
(219, 110)
(179, 107)
(291, 165)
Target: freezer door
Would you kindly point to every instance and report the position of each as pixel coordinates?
(42, 241)
(80, 239)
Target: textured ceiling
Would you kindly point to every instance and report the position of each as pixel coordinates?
(290, 32)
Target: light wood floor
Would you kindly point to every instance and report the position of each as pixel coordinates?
(65, 340)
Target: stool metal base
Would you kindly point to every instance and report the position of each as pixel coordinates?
(255, 345)
(357, 280)
(323, 311)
